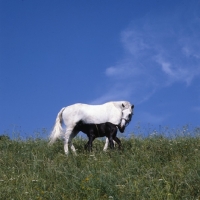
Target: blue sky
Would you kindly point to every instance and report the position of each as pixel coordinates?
(57, 53)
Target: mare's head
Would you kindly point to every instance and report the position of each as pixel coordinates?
(127, 113)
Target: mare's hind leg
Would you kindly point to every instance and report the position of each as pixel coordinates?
(66, 138)
(74, 133)
(69, 135)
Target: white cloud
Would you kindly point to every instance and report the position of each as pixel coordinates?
(175, 73)
(134, 41)
(123, 70)
(166, 66)
(154, 59)
(158, 51)
(196, 109)
(114, 94)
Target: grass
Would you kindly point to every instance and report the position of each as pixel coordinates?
(147, 168)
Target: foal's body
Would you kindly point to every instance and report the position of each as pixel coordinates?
(99, 130)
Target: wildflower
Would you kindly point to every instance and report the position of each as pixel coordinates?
(87, 179)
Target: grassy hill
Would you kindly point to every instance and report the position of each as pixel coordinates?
(149, 168)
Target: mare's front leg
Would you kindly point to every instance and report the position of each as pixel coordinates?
(106, 144)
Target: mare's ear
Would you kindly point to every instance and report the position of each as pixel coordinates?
(123, 106)
(132, 106)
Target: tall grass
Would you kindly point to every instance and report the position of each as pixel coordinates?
(147, 168)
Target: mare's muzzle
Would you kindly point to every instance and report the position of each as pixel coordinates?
(128, 120)
(121, 129)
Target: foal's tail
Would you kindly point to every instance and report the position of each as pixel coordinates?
(57, 129)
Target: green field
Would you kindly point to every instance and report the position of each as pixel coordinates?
(155, 167)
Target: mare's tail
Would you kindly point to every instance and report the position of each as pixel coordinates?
(57, 129)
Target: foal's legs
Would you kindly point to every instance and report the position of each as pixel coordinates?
(111, 134)
(89, 143)
(117, 140)
(111, 142)
(107, 142)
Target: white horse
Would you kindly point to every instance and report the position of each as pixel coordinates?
(116, 112)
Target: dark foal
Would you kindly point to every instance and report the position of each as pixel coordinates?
(99, 130)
